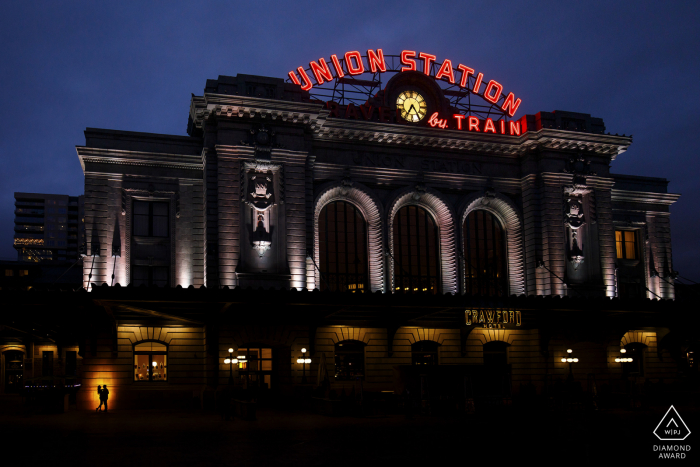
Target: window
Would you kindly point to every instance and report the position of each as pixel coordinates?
(636, 366)
(343, 248)
(415, 251)
(150, 362)
(255, 364)
(626, 244)
(47, 363)
(9, 273)
(150, 275)
(425, 353)
(23, 272)
(484, 255)
(71, 362)
(14, 363)
(150, 219)
(349, 360)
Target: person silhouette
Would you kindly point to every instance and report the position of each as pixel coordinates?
(99, 393)
(104, 395)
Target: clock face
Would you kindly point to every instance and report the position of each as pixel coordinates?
(412, 106)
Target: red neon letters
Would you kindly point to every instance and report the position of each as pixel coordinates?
(434, 121)
(376, 60)
(406, 59)
(354, 64)
(358, 68)
(446, 71)
(321, 70)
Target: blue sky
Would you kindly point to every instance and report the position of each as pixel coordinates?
(66, 66)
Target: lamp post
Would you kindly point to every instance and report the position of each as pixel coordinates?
(230, 362)
(303, 360)
(624, 359)
(570, 359)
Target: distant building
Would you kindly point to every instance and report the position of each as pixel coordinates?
(48, 227)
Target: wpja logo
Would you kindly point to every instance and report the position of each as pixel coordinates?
(672, 428)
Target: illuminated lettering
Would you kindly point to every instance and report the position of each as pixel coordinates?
(473, 124)
(307, 82)
(489, 316)
(511, 317)
(366, 111)
(493, 86)
(466, 71)
(477, 83)
(511, 105)
(407, 60)
(321, 70)
(384, 114)
(489, 126)
(376, 60)
(515, 128)
(294, 78)
(336, 64)
(434, 121)
(481, 316)
(427, 58)
(459, 118)
(446, 71)
(518, 319)
(468, 317)
(503, 127)
(358, 68)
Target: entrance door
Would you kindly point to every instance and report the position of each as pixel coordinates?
(13, 372)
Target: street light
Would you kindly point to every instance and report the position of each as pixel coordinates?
(570, 359)
(230, 362)
(624, 359)
(303, 360)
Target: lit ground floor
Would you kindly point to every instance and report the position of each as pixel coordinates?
(296, 437)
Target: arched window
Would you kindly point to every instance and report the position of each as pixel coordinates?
(150, 362)
(343, 248)
(14, 370)
(484, 255)
(349, 360)
(416, 262)
(425, 353)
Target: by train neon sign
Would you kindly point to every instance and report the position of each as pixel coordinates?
(375, 62)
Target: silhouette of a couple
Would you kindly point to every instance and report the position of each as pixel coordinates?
(104, 395)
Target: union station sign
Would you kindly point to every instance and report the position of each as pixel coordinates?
(412, 106)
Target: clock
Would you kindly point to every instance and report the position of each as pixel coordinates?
(412, 106)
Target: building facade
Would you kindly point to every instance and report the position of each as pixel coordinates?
(48, 227)
(396, 230)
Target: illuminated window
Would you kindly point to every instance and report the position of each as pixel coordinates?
(343, 248)
(23, 272)
(626, 244)
(484, 255)
(416, 251)
(150, 219)
(425, 353)
(9, 273)
(255, 365)
(14, 371)
(150, 362)
(691, 357)
(349, 360)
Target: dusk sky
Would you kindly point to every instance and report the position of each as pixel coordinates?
(66, 66)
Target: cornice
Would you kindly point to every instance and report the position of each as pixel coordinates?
(138, 158)
(333, 129)
(226, 105)
(644, 197)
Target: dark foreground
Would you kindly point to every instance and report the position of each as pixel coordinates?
(186, 438)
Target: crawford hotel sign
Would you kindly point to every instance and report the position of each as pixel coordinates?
(411, 106)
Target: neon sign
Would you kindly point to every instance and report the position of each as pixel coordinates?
(322, 72)
(493, 319)
(454, 122)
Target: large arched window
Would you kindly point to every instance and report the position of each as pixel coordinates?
(416, 262)
(349, 360)
(484, 255)
(424, 353)
(342, 248)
